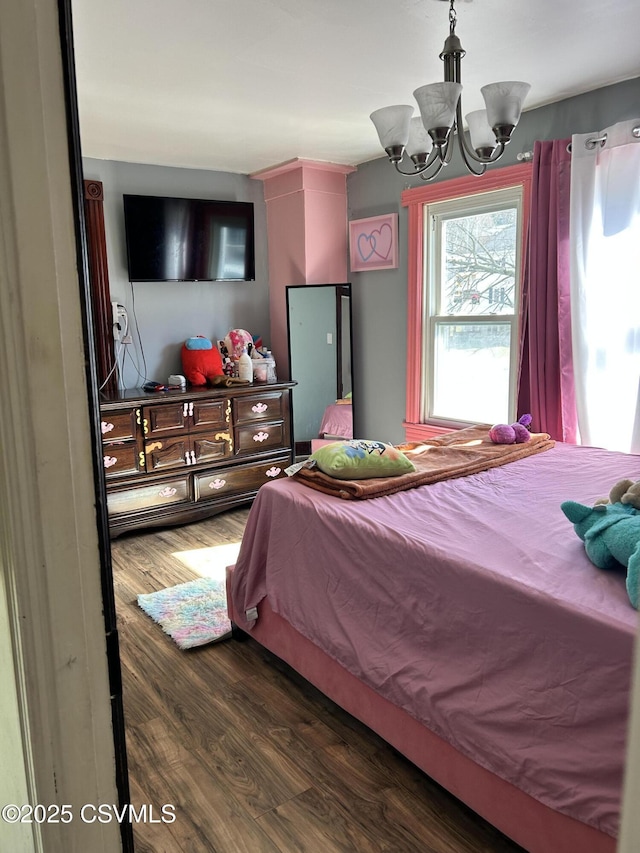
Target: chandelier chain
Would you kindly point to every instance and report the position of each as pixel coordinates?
(453, 18)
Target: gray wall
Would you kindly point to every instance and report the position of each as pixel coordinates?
(379, 299)
(168, 313)
(164, 314)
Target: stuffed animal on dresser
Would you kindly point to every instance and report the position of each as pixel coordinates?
(201, 360)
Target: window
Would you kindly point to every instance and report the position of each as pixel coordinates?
(465, 261)
(472, 287)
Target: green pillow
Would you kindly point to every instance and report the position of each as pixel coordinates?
(359, 459)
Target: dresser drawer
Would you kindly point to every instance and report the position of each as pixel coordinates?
(208, 414)
(149, 496)
(240, 478)
(260, 407)
(210, 447)
(257, 438)
(165, 419)
(121, 458)
(178, 451)
(172, 452)
(116, 426)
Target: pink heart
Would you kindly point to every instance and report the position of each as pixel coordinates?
(366, 246)
(382, 241)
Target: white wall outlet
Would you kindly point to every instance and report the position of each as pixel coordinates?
(115, 321)
(120, 321)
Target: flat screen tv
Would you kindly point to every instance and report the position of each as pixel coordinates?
(187, 239)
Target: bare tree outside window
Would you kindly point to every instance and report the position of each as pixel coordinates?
(479, 261)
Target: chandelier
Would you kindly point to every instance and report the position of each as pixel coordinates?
(427, 138)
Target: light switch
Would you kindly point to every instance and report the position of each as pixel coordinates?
(329, 338)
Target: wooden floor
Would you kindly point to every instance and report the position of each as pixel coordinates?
(252, 757)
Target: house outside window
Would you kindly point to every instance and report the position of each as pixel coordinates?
(466, 249)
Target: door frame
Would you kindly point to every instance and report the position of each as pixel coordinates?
(54, 555)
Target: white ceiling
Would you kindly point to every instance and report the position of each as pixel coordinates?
(241, 85)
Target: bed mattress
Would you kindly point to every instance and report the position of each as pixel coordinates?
(337, 421)
(471, 605)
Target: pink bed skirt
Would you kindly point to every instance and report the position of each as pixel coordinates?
(528, 822)
(317, 443)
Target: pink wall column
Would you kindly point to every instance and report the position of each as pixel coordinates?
(307, 234)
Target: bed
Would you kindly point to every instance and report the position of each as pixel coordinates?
(337, 421)
(462, 622)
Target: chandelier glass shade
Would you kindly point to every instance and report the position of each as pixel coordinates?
(427, 139)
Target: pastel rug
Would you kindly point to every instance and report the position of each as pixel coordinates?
(192, 613)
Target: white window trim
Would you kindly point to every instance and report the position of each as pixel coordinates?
(477, 201)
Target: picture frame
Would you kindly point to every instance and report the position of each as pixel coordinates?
(373, 243)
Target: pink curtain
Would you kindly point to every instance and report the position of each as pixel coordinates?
(546, 385)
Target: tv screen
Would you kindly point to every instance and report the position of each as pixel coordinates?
(186, 239)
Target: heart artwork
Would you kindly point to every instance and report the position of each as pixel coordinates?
(377, 244)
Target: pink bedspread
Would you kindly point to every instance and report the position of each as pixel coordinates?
(471, 604)
(337, 420)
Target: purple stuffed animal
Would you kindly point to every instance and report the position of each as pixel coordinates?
(511, 433)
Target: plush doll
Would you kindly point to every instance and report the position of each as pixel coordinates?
(236, 341)
(201, 360)
(511, 433)
(624, 492)
(611, 536)
(227, 364)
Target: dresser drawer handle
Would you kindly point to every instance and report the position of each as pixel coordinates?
(109, 461)
(217, 483)
(273, 471)
(105, 427)
(185, 410)
(167, 492)
(259, 408)
(261, 436)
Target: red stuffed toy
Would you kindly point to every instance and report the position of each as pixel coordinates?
(201, 360)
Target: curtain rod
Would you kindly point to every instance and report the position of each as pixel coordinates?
(592, 141)
(589, 143)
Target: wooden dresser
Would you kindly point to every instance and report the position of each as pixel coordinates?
(178, 456)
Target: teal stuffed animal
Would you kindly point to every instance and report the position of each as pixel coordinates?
(611, 536)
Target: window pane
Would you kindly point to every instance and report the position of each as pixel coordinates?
(472, 372)
(478, 263)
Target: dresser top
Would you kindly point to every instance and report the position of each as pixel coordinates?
(139, 395)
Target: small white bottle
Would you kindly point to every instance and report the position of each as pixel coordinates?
(245, 366)
(271, 368)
